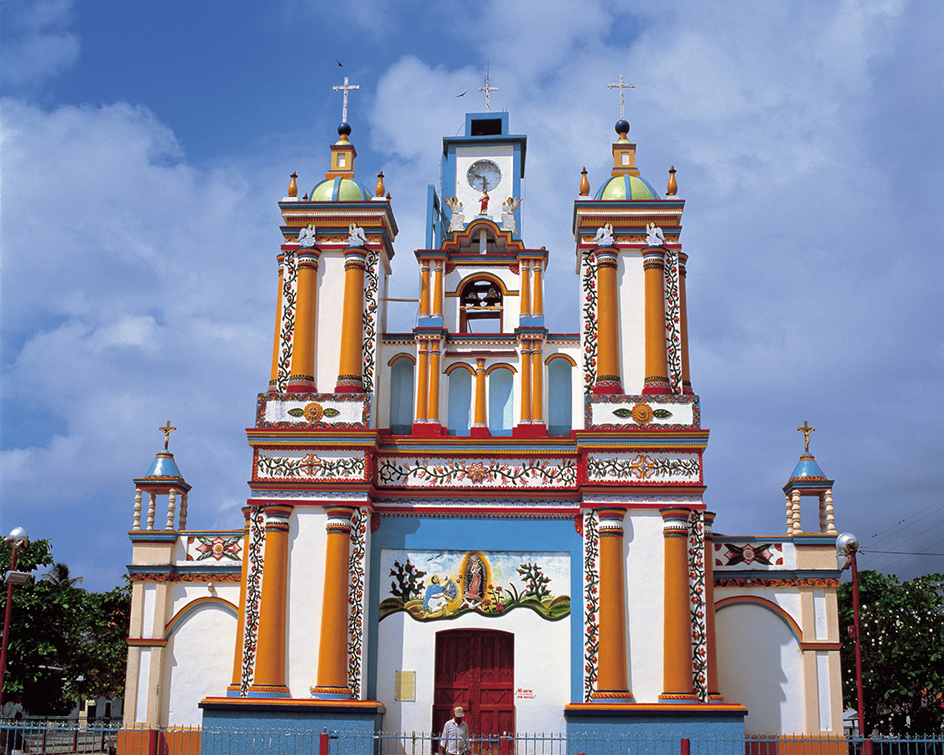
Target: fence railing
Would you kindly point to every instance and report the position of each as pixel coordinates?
(31, 737)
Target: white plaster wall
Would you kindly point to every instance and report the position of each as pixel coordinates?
(789, 601)
(632, 314)
(198, 662)
(329, 304)
(760, 666)
(306, 562)
(645, 565)
(503, 157)
(144, 684)
(408, 645)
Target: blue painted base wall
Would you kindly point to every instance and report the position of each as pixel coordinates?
(655, 734)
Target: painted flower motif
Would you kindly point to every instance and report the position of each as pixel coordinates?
(477, 472)
(642, 414)
(313, 412)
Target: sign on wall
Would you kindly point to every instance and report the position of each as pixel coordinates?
(435, 585)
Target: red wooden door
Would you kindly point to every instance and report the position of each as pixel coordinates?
(475, 668)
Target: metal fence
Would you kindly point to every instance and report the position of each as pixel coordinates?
(30, 737)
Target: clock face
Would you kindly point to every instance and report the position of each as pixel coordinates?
(483, 175)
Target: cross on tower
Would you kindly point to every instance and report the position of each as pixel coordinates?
(345, 87)
(806, 430)
(621, 86)
(167, 430)
(488, 89)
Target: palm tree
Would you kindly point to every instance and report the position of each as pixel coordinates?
(58, 576)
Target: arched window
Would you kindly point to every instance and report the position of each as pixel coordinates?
(500, 402)
(401, 396)
(559, 397)
(460, 402)
(481, 307)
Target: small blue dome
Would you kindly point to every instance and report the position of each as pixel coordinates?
(164, 466)
(807, 468)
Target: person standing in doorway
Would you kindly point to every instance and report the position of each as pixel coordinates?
(455, 735)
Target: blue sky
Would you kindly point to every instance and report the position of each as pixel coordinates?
(145, 146)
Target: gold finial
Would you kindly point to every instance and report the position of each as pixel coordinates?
(167, 430)
(380, 190)
(292, 186)
(672, 188)
(806, 430)
(305, 198)
(584, 184)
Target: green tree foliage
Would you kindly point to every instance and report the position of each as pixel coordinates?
(65, 643)
(902, 627)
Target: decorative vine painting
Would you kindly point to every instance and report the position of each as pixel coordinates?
(371, 298)
(287, 318)
(696, 575)
(356, 600)
(437, 585)
(673, 320)
(591, 603)
(253, 599)
(588, 334)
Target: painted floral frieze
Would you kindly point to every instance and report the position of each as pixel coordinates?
(753, 555)
(488, 473)
(223, 548)
(644, 468)
(311, 466)
(436, 585)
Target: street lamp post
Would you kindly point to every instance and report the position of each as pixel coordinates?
(17, 539)
(847, 545)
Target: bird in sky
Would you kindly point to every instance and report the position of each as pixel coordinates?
(463, 94)
(339, 63)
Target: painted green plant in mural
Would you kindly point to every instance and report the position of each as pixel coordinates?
(407, 582)
(534, 580)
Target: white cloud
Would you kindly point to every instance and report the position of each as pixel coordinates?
(38, 43)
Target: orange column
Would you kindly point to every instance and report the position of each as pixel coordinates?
(657, 371)
(269, 677)
(525, 277)
(608, 380)
(683, 326)
(537, 382)
(351, 372)
(432, 413)
(677, 627)
(332, 649)
(302, 376)
(422, 381)
(714, 694)
(234, 688)
(525, 363)
(424, 288)
(480, 417)
(438, 288)
(611, 665)
(274, 374)
(537, 294)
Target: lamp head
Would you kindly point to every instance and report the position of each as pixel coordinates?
(18, 538)
(847, 544)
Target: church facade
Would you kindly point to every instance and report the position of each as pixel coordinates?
(481, 512)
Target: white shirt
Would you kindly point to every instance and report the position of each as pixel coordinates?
(455, 737)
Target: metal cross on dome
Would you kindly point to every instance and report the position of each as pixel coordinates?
(345, 87)
(488, 89)
(621, 86)
(806, 430)
(167, 430)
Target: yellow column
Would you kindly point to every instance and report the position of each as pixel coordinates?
(611, 665)
(608, 364)
(537, 295)
(480, 421)
(302, 376)
(432, 414)
(714, 695)
(537, 381)
(525, 382)
(422, 381)
(677, 627)
(438, 288)
(269, 676)
(683, 326)
(234, 688)
(657, 372)
(424, 288)
(525, 277)
(274, 374)
(351, 372)
(332, 652)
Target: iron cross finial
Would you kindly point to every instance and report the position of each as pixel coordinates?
(167, 430)
(806, 430)
(488, 89)
(345, 87)
(621, 86)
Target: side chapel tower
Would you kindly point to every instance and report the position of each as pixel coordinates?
(480, 512)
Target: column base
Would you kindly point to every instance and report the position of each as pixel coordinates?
(678, 697)
(427, 430)
(608, 388)
(612, 696)
(529, 430)
(656, 387)
(268, 690)
(687, 388)
(349, 385)
(299, 386)
(331, 693)
(479, 432)
(715, 697)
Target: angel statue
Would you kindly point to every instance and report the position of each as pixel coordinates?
(654, 235)
(458, 213)
(604, 235)
(306, 236)
(357, 237)
(508, 214)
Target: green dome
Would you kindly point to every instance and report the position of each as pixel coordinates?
(627, 187)
(340, 190)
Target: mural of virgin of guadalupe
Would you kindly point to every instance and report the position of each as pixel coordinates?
(474, 579)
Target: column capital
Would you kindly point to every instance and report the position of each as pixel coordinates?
(606, 256)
